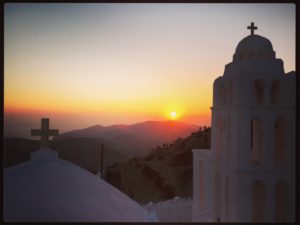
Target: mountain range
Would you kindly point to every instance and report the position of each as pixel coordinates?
(134, 140)
(121, 142)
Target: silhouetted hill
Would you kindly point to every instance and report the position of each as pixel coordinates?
(84, 152)
(17, 150)
(136, 139)
(163, 131)
(165, 172)
(82, 146)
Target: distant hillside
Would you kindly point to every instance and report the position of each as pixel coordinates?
(136, 139)
(165, 172)
(84, 152)
(17, 150)
(82, 147)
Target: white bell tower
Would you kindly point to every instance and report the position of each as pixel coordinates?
(249, 171)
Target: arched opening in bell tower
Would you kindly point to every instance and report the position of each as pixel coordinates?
(259, 91)
(281, 201)
(275, 92)
(280, 141)
(229, 93)
(201, 185)
(258, 201)
(227, 198)
(228, 140)
(256, 140)
(219, 138)
(217, 197)
(222, 94)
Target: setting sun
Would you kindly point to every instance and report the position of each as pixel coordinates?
(173, 115)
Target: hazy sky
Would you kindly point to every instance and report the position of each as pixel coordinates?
(87, 64)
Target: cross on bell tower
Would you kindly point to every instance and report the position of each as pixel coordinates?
(252, 28)
(44, 132)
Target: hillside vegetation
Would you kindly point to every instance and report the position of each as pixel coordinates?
(166, 172)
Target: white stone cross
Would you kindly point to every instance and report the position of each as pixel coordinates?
(252, 28)
(44, 132)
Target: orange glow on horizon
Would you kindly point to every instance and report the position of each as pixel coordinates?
(66, 119)
(105, 117)
(139, 108)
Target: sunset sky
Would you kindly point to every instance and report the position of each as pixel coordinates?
(88, 64)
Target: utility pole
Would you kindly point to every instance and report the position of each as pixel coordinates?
(101, 167)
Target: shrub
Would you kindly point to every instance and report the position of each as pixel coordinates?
(159, 182)
(168, 192)
(149, 157)
(161, 157)
(183, 158)
(138, 165)
(187, 174)
(149, 173)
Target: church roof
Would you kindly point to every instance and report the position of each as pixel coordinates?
(47, 188)
(254, 46)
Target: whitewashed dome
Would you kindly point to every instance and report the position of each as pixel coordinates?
(49, 189)
(254, 47)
